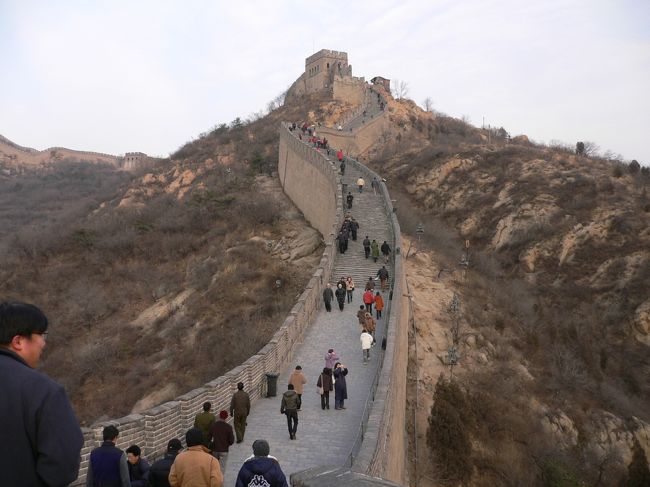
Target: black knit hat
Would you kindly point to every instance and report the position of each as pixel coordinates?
(193, 437)
(261, 448)
(174, 445)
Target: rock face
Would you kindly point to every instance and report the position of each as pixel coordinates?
(642, 323)
(558, 283)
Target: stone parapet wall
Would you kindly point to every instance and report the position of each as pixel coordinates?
(153, 428)
(359, 141)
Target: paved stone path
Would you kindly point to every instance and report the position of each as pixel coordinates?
(325, 437)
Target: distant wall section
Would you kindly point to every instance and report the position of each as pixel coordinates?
(312, 186)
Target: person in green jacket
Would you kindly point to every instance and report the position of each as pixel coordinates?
(204, 421)
(374, 250)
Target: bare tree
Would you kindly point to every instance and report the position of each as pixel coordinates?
(400, 89)
(591, 149)
(427, 103)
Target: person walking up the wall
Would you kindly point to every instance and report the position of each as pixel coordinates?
(383, 277)
(340, 296)
(240, 408)
(385, 249)
(361, 315)
(366, 344)
(374, 250)
(328, 296)
(379, 304)
(375, 185)
(360, 184)
(195, 467)
(340, 387)
(349, 198)
(368, 300)
(221, 437)
(370, 284)
(371, 325)
(204, 420)
(261, 470)
(324, 384)
(289, 406)
(366, 246)
(298, 380)
(349, 288)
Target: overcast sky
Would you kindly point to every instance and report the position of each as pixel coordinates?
(117, 76)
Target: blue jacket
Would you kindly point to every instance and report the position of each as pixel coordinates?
(41, 435)
(256, 470)
(107, 467)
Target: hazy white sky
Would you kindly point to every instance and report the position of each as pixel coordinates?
(117, 76)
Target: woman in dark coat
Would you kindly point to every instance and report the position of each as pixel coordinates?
(340, 295)
(325, 381)
(340, 387)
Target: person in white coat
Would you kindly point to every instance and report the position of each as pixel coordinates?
(366, 344)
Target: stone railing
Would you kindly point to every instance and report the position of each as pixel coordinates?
(153, 428)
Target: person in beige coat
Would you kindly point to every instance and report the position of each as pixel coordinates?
(298, 380)
(195, 467)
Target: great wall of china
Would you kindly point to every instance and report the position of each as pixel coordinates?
(311, 180)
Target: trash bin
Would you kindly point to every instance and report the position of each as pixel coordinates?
(272, 384)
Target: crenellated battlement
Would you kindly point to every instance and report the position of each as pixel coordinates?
(338, 55)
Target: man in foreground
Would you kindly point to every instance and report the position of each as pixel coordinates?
(195, 467)
(261, 469)
(43, 438)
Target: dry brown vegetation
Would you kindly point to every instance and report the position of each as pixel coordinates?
(556, 377)
(150, 279)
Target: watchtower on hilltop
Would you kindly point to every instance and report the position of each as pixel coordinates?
(322, 70)
(322, 67)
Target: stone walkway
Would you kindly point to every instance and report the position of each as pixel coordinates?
(325, 437)
(372, 110)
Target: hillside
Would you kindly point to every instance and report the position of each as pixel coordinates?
(149, 279)
(554, 323)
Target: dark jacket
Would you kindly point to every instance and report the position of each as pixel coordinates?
(340, 294)
(328, 294)
(256, 469)
(139, 473)
(107, 467)
(159, 472)
(340, 386)
(325, 381)
(290, 400)
(385, 248)
(240, 404)
(41, 438)
(221, 436)
(366, 243)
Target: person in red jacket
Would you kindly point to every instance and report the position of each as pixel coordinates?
(368, 299)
